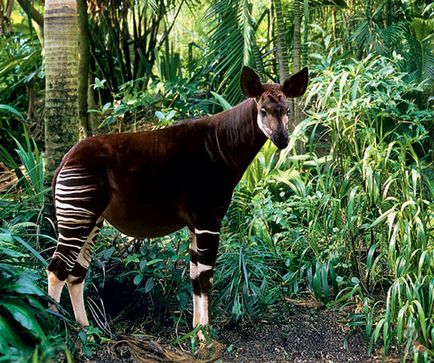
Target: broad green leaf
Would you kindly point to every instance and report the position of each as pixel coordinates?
(25, 316)
(9, 337)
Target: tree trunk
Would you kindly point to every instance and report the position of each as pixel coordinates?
(61, 85)
(297, 106)
(282, 46)
(83, 68)
(296, 57)
(305, 33)
(91, 104)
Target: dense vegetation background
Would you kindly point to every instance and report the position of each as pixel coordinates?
(344, 214)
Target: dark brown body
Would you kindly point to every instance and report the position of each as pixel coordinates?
(154, 183)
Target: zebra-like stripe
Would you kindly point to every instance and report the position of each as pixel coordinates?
(69, 245)
(63, 238)
(66, 206)
(198, 231)
(62, 177)
(74, 216)
(85, 255)
(66, 190)
(73, 227)
(69, 262)
(76, 222)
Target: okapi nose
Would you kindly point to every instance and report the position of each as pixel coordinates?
(280, 139)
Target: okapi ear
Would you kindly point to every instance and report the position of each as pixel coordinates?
(250, 83)
(296, 85)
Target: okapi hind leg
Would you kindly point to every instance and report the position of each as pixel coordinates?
(55, 287)
(76, 278)
(80, 199)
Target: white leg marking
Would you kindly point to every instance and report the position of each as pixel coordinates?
(199, 231)
(193, 244)
(202, 268)
(194, 272)
(77, 300)
(197, 302)
(204, 309)
(62, 178)
(55, 286)
(72, 198)
(68, 245)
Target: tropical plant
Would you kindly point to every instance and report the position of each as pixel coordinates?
(379, 191)
(125, 42)
(28, 330)
(237, 33)
(30, 180)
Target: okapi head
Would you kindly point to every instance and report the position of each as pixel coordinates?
(271, 100)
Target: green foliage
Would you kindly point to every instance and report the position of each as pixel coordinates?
(21, 78)
(133, 107)
(27, 328)
(387, 31)
(350, 221)
(125, 44)
(379, 221)
(91, 338)
(238, 34)
(169, 63)
(31, 182)
(20, 66)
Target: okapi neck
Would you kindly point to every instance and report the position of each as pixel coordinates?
(238, 136)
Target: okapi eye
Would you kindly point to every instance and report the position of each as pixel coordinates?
(263, 113)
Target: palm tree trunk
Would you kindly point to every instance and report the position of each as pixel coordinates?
(305, 33)
(61, 84)
(282, 46)
(296, 57)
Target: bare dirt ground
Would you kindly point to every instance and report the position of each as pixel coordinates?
(301, 335)
(289, 333)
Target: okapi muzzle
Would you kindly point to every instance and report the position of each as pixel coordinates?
(127, 180)
(280, 137)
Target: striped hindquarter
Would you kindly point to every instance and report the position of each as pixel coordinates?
(79, 201)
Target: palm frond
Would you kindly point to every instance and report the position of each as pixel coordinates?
(232, 44)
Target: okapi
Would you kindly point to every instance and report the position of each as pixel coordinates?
(149, 184)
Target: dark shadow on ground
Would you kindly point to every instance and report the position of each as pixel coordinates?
(295, 332)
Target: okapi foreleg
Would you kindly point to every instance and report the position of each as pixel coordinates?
(203, 254)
